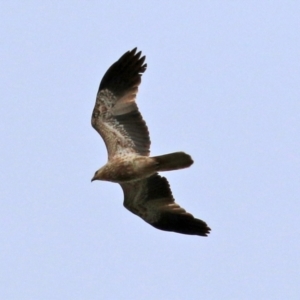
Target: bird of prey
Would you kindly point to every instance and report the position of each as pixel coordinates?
(117, 119)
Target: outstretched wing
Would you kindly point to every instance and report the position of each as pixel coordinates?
(152, 200)
(116, 116)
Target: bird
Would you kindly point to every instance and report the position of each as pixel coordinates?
(117, 119)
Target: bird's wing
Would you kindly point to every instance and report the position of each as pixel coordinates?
(116, 116)
(152, 200)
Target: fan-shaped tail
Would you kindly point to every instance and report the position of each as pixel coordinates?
(173, 161)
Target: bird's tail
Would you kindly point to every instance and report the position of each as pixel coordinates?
(173, 161)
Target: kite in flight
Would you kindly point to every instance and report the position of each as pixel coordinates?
(117, 119)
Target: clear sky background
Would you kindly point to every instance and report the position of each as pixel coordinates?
(222, 84)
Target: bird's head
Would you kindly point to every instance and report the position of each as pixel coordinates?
(99, 175)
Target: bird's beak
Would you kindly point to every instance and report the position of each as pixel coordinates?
(93, 179)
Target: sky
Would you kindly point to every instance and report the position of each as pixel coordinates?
(222, 84)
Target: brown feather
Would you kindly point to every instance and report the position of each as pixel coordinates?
(116, 116)
(152, 200)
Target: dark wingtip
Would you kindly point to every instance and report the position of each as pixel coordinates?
(182, 223)
(125, 73)
(208, 230)
(133, 50)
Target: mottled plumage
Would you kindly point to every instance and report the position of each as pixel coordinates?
(117, 119)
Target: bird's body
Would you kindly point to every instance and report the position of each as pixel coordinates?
(117, 119)
(127, 168)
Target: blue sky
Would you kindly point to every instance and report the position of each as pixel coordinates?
(222, 84)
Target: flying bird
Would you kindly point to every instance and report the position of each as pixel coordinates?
(117, 119)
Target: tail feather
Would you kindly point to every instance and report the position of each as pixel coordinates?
(173, 161)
